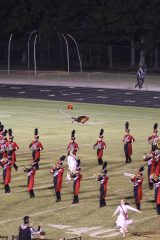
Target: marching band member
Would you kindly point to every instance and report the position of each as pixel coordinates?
(36, 148)
(72, 146)
(137, 189)
(153, 137)
(1, 131)
(151, 163)
(31, 174)
(128, 139)
(6, 165)
(157, 165)
(3, 145)
(57, 172)
(100, 145)
(77, 176)
(72, 160)
(123, 220)
(156, 180)
(11, 148)
(103, 178)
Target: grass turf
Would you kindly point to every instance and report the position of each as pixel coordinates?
(55, 131)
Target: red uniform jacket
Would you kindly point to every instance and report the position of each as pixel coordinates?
(6, 165)
(12, 147)
(151, 166)
(31, 174)
(76, 184)
(73, 146)
(137, 188)
(100, 145)
(36, 147)
(3, 150)
(57, 178)
(103, 185)
(157, 172)
(157, 192)
(128, 139)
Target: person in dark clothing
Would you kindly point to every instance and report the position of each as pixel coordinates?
(140, 77)
(26, 231)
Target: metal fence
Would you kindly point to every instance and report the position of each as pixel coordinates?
(75, 79)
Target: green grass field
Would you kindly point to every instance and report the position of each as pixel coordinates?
(86, 218)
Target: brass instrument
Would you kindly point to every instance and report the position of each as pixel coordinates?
(156, 143)
(125, 140)
(131, 175)
(147, 156)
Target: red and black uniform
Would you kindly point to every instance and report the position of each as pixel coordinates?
(31, 174)
(72, 146)
(151, 163)
(57, 172)
(103, 188)
(77, 176)
(137, 189)
(76, 185)
(153, 137)
(128, 139)
(11, 148)
(6, 165)
(36, 147)
(100, 145)
(157, 195)
(3, 148)
(157, 165)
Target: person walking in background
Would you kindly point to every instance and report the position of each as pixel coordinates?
(123, 220)
(141, 73)
(127, 140)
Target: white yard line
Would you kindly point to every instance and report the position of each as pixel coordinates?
(36, 214)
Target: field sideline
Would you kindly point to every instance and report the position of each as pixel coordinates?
(55, 130)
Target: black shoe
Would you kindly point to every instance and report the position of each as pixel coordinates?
(58, 200)
(32, 196)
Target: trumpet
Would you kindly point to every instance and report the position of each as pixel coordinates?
(95, 175)
(131, 175)
(156, 143)
(126, 139)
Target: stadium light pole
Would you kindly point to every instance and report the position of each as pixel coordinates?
(67, 51)
(35, 62)
(28, 45)
(61, 49)
(80, 63)
(9, 50)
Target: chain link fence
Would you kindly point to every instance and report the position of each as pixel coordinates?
(75, 79)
